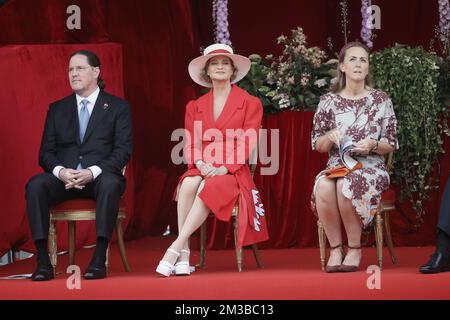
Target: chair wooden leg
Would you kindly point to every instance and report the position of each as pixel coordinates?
(53, 245)
(202, 245)
(257, 256)
(322, 243)
(72, 231)
(390, 244)
(123, 254)
(237, 248)
(379, 237)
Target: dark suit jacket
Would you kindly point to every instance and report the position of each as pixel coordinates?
(107, 142)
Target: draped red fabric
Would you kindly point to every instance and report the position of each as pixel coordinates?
(33, 76)
(407, 230)
(254, 24)
(286, 195)
(44, 21)
(159, 42)
(158, 39)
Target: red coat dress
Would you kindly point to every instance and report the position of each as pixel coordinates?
(216, 143)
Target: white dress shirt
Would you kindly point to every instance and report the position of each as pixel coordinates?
(92, 98)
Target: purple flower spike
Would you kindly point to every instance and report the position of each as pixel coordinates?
(366, 32)
(220, 18)
(444, 21)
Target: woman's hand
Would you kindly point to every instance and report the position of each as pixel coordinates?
(203, 167)
(365, 146)
(334, 136)
(208, 170)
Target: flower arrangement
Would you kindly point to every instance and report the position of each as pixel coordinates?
(299, 76)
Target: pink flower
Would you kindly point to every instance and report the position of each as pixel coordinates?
(305, 79)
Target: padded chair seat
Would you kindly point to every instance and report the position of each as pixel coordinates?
(77, 205)
(81, 210)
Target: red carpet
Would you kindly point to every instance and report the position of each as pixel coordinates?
(290, 274)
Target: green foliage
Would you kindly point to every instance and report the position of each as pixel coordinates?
(413, 79)
(255, 82)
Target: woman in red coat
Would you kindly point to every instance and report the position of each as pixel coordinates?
(221, 130)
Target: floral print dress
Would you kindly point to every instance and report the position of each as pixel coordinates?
(371, 116)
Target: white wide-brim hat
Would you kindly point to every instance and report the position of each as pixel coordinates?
(196, 66)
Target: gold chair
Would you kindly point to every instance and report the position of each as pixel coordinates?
(82, 210)
(235, 215)
(387, 204)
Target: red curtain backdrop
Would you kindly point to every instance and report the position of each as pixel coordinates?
(158, 39)
(255, 24)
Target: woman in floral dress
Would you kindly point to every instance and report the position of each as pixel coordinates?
(352, 110)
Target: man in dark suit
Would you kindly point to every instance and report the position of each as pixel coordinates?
(440, 260)
(87, 141)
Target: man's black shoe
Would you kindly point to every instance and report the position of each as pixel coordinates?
(42, 273)
(438, 263)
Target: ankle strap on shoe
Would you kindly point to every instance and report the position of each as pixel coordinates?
(356, 247)
(185, 251)
(337, 246)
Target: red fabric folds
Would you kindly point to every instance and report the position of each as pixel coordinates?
(286, 195)
(44, 21)
(158, 41)
(80, 205)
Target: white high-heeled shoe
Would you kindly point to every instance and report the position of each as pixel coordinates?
(182, 268)
(166, 268)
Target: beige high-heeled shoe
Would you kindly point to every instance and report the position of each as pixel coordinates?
(166, 268)
(182, 268)
(336, 268)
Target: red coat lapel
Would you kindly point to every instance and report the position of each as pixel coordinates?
(203, 106)
(234, 102)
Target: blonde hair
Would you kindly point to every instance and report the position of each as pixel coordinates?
(339, 84)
